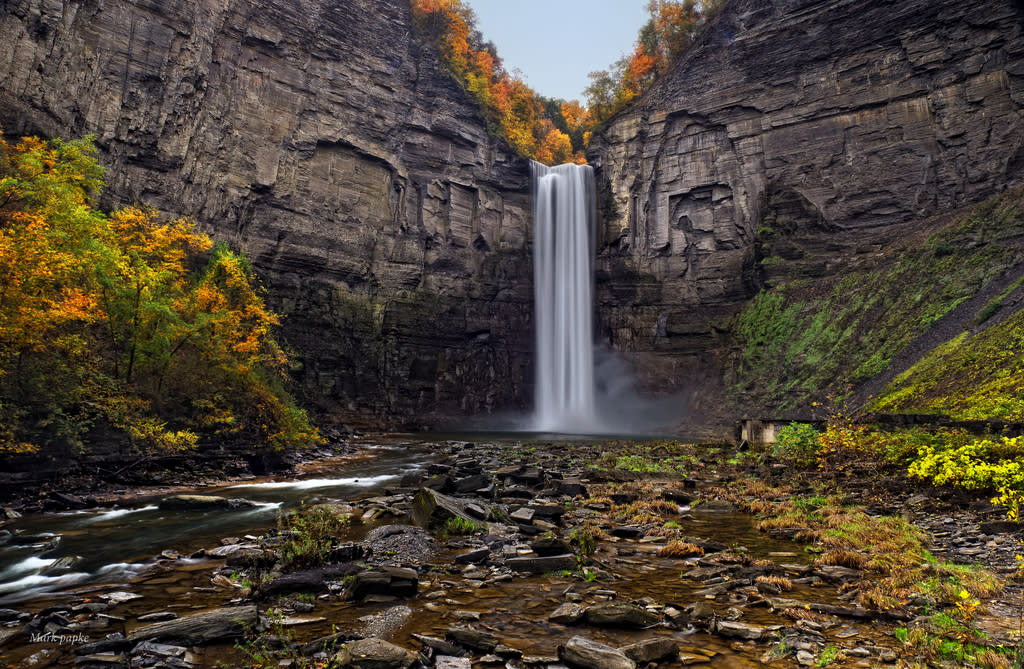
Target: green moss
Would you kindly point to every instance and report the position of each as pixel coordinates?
(457, 527)
(996, 303)
(969, 377)
(800, 341)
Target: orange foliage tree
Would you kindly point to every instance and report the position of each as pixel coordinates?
(511, 108)
(671, 29)
(114, 319)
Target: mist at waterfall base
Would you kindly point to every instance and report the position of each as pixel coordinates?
(579, 388)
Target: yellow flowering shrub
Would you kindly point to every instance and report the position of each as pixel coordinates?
(982, 464)
(979, 465)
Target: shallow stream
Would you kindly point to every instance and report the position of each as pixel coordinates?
(118, 549)
(117, 544)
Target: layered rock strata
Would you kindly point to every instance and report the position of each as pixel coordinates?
(807, 130)
(326, 142)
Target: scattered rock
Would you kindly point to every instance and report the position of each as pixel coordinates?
(737, 630)
(837, 574)
(471, 638)
(309, 580)
(450, 662)
(393, 581)
(582, 652)
(71, 501)
(701, 611)
(114, 643)
(572, 488)
(689, 659)
(119, 597)
(476, 556)
(8, 615)
(523, 514)
(470, 483)
(431, 509)
(374, 654)
(542, 564)
(650, 650)
(546, 546)
(620, 614)
(440, 645)
(567, 614)
(1000, 527)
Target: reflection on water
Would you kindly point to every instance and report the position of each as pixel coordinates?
(309, 484)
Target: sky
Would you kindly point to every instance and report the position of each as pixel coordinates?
(555, 44)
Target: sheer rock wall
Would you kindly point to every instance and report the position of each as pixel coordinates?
(808, 130)
(326, 142)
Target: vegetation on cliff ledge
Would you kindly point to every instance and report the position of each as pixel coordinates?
(672, 27)
(125, 321)
(972, 376)
(804, 338)
(553, 131)
(548, 131)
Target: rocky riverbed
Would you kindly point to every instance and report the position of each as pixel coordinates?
(517, 554)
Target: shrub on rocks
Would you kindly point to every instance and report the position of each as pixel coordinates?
(313, 533)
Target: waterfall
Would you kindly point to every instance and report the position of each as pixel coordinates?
(563, 249)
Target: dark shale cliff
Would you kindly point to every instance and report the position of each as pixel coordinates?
(325, 141)
(808, 132)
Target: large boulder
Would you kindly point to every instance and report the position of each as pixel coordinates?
(620, 614)
(432, 509)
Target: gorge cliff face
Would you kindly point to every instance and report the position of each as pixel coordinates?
(796, 130)
(327, 143)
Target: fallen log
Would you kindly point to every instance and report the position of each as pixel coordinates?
(856, 612)
(202, 627)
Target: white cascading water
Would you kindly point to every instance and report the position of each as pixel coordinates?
(563, 248)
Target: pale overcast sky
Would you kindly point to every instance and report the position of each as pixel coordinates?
(556, 43)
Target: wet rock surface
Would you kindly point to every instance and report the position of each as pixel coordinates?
(204, 503)
(398, 594)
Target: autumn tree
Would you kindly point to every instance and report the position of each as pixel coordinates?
(125, 319)
(48, 256)
(511, 108)
(671, 28)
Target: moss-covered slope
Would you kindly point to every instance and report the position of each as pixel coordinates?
(803, 339)
(972, 376)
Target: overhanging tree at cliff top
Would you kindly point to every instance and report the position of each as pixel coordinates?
(116, 321)
(512, 109)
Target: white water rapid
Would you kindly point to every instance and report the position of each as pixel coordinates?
(563, 250)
